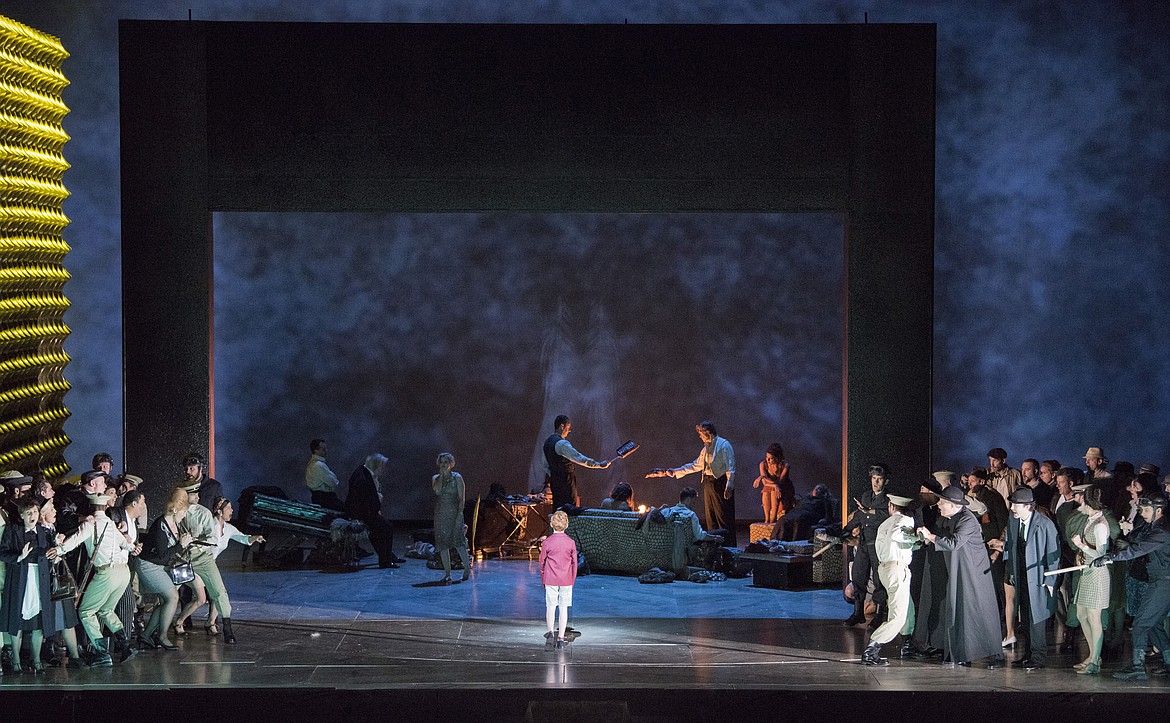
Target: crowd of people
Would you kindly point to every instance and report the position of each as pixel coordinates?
(85, 556)
(960, 568)
(969, 565)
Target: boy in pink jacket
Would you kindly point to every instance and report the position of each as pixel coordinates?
(558, 572)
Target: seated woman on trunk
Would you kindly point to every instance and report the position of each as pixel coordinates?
(620, 498)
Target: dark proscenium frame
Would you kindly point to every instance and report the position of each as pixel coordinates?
(546, 118)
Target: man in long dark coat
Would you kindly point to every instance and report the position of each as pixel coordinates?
(364, 503)
(1031, 549)
(969, 607)
(928, 575)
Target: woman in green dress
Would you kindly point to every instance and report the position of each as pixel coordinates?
(449, 528)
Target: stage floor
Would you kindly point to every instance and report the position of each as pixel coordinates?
(370, 630)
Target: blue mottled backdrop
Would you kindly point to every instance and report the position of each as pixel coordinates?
(1053, 197)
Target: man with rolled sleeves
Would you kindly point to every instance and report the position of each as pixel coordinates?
(1030, 549)
(201, 524)
(716, 463)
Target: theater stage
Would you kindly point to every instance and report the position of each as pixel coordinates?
(317, 644)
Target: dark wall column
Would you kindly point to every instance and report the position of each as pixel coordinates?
(762, 129)
(166, 249)
(889, 256)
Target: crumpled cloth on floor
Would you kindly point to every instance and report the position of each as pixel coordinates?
(707, 576)
(656, 576)
(420, 550)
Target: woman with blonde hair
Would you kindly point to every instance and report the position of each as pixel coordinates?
(449, 528)
(164, 545)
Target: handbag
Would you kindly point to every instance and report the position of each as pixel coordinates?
(87, 575)
(62, 586)
(181, 572)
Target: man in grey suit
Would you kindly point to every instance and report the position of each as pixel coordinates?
(1031, 548)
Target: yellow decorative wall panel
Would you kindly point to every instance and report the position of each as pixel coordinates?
(32, 250)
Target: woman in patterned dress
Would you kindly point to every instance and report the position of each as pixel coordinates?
(1092, 594)
(449, 491)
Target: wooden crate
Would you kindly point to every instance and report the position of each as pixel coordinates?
(780, 572)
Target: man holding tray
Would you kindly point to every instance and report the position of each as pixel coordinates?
(559, 463)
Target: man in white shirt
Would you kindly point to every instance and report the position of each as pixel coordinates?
(320, 480)
(716, 462)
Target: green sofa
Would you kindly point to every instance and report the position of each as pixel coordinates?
(610, 542)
